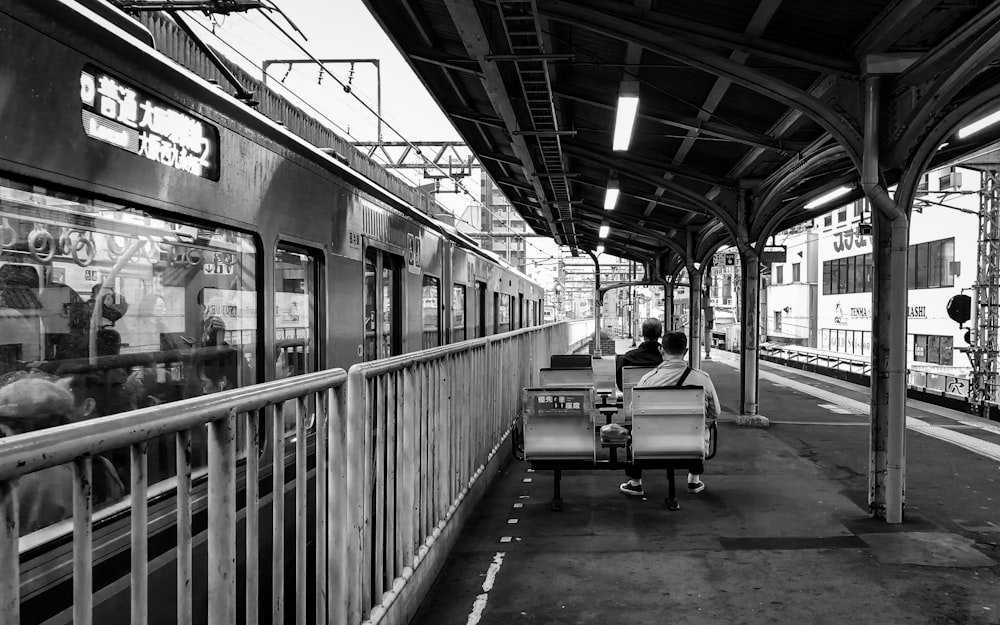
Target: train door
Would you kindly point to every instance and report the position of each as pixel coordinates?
(431, 303)
(481, 304)
(496, 313)
(296, 314)
(383, 309)
(458, 316)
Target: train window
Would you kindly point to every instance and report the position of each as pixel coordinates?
(481, 302)
(496, 313)
(382, 310)
(295, 286)
(503, 313)
(457, 313)
(431, 307)
(129, 308)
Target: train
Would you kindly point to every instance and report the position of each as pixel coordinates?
(148, 218)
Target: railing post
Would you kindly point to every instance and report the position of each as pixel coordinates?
(222, 521)
(10, 605)
(140, 528)
(83, 586)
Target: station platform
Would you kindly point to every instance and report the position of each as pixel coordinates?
(781, 534)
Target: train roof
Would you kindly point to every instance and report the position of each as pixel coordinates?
(212, 96)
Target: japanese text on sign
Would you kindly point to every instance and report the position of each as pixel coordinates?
(121, 115)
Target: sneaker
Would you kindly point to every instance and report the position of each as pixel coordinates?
(695, 487)
(631, 489)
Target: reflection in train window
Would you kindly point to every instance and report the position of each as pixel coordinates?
(503, 313)
(382, 314)
(431, 307)
(457, 313)
(294, 319)
(294, 313)
(129, 308)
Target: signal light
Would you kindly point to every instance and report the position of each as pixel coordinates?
(960, 308)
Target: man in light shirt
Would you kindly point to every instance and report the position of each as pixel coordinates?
(674, 371)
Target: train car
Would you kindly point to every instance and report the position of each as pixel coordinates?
(160, 240)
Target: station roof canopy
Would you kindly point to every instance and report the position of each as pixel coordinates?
(747, 111)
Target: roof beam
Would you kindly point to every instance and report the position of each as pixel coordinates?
(898, 17)
(470, 28)
(714, 37)
(709, 128)
(622, 163)
(625, 30)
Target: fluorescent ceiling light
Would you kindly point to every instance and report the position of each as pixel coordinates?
(605, 229)
(599, 250)
(978, 125)
(826, 197)
(611, 196)
(628, 104)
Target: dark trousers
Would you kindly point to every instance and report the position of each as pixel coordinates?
(697, 467)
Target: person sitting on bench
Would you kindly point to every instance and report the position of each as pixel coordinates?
(647, 354)
(674, 371)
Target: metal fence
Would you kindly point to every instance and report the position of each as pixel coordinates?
(397, 450)
(934, 383)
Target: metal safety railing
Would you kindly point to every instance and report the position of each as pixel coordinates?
(396, 450)
(942, 384)
(224, 414)
(422, 428)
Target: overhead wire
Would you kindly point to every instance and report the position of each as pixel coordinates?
(323, 69)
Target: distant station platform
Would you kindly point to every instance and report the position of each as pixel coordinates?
(781, 534)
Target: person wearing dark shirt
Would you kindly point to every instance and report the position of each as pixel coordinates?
(647, 354)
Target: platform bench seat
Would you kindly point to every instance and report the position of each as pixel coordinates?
(668, 423)
(558, 423)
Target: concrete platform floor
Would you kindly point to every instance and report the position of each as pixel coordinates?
(781, 534)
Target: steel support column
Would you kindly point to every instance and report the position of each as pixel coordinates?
(694, 305)
(694, 316)
(668, 305)
(749, 332)
(887, 445)
(598, 301)
(886, 476)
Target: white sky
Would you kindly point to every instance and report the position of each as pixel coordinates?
(344, 29)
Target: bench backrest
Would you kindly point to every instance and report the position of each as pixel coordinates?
(558, 423)
(577, 376)
(668, 422)
(570, 361)
(631, 377)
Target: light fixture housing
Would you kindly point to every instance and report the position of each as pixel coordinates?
(829, 196)
(599, 250)
(603, 232)
(611, 195)
(628, 106)
(979, 124)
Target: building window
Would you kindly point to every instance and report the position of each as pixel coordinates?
(779, 274)
(842, 216)
(933, 349)
(777, 321)
(828, 220)
(929, 264)
(796, 272)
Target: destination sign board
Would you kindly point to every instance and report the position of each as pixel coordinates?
(124, 116)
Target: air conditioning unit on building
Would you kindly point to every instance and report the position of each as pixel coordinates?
(951, 180)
